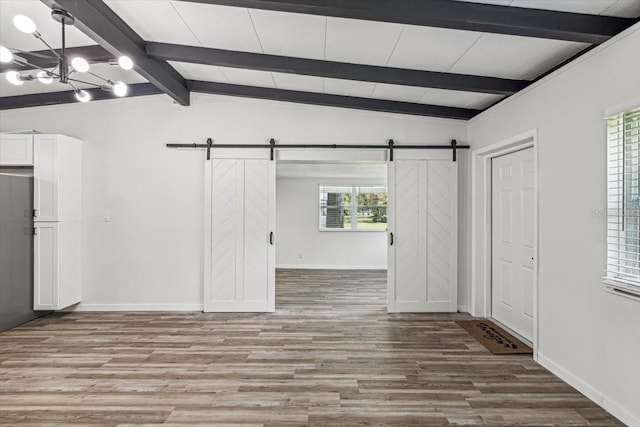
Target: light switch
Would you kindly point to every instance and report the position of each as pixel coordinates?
(106, 216)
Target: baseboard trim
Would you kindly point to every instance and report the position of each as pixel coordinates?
(332, 267)
(463, 309)
(138, 307)
(592, 393)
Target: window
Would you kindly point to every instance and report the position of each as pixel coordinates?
(353, 208)
(623, 202)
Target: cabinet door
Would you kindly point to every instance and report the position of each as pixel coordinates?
(16, 150)
(46, 178)
(45, 266)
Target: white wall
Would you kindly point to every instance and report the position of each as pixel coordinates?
(150, 254)
(297, 230)
(588, 336)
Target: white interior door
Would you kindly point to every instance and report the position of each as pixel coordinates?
(239, 235)
(512, 241)
(422, 215)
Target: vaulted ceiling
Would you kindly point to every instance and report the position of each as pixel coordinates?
(442, 58)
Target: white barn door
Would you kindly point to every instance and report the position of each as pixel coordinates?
(239, 239)
(422, 215)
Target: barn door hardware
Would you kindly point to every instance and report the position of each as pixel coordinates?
(273, 145)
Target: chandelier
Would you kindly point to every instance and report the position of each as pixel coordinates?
(68, 70)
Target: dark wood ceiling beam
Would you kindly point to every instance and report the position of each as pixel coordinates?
(328, 100)
(98, 21)
(66, 97)
(457, 15)
(94, 54)
(337, 70)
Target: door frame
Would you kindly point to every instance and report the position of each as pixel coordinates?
(481, 232)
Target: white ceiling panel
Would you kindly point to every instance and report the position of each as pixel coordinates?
(348, 87)
(592, 7)
(398, 93)
(239, 76)
(433, 49)
(621, 8)
(207, 73)
(483, 101)
(298, 82)
(362, 42)
(452, 98)
(104, 70)
(11, 37)
(220, 27)
(154, 20)
(290, 34)
(624, 8)
(514, 57)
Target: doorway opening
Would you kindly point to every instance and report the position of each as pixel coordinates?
(331, 222)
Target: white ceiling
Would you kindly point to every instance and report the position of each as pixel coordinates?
(621, 8)
(375, 172)
(324, 38)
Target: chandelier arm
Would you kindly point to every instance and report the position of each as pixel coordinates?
(99, 77)
(34, 66)
(85, 82)
(49, 47)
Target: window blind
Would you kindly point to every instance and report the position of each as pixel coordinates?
(623, 201)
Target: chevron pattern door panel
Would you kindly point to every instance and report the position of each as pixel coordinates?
(422, 259)
(240, 264)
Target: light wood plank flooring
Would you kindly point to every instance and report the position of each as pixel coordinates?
(330, 355)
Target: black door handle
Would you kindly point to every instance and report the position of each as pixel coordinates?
(271, 238)
(391, 236)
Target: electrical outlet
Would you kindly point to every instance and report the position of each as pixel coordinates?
(106, 217)
(300, 255)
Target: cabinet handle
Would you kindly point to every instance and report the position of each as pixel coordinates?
(35, 231)
(35, 213)
(391, 237)
(271, 238)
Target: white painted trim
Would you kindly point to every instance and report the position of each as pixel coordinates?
(612, 41)
(137, 307)
(621, 108)
(591, 392)
(331, 267)
(481, 224)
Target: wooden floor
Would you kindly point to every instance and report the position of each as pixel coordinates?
(330, 355)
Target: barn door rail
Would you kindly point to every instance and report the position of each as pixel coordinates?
(273, 145)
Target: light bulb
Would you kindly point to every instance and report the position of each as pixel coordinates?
(120, 89)
(5, 54)
(80, 64)
(13, 77)
(44, 77)
(125, 63)
(24, 24)
(83, 96)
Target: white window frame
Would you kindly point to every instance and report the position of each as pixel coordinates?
(354, 205)
(627, 285)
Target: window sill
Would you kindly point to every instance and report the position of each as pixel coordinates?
(622, 289)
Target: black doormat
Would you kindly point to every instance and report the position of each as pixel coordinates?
(494, 338)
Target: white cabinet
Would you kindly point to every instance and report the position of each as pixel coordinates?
(16, 149)
(56, 264)
(57, 161)
(57, 211)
